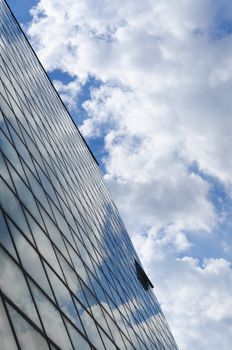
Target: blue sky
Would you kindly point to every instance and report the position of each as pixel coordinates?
(149, 85)
(21, 9)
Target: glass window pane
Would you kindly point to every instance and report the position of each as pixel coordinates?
(12, 206)
(78, 341)
(28, 337)
(72, 279)
(10, 152)
(54, 234)
(37, 189)
(51, 319)
(6, 335)
(5, 238)
(62, 224)
(44, 244)
(64, 298)
(13, 284)
(30, 259)
(78, 264)
(22, 150)
(107, 342)
(91, 330)
(25, 194)
(7, 111)
(4, 171)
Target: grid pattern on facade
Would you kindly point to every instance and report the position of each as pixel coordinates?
(67, 273)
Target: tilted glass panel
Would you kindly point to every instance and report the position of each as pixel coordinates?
(64, 299)
(44, 244)
(28, 337)
(6, 335)
(78, 340)
(5, 238)
(14, 286)
(30, 259)
(51, 319)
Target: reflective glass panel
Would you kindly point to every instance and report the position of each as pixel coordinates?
(51, 319)
(13, 284)
(6, 335)
(28, 337)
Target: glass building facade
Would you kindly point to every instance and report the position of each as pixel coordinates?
(69, 275)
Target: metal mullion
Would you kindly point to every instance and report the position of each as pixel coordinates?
(29, 188)
(25, 274)
(11, 108)
(6, 71)
(22, 162)
(77, 277)
(20, 137)
(5, 77)
(100, 305)
(20, 157)
(9, 320)
(46, 173)
(23, 209)
(112, 317)
(29, 185)
(90, 313)
(86, 267)
(72, 296)
(41, 258)
(67, 287)
(7, 300)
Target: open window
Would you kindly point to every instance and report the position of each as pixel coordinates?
(142, 277)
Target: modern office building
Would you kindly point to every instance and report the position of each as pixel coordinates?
(69, 275)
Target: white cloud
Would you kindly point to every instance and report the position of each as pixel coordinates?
(163, 108)
(196, 298)
(68, 92)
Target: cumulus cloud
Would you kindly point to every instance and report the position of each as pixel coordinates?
(163, 108)
(196, 295)
(68, 92)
